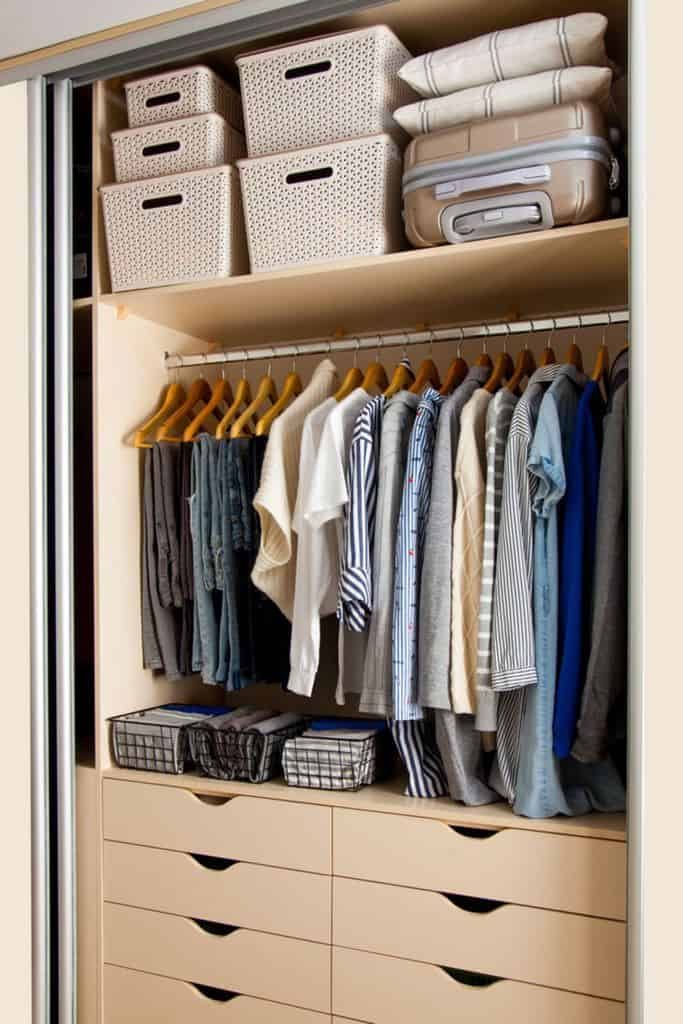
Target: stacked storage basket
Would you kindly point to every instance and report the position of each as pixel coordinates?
(323, 177)
(175, 214)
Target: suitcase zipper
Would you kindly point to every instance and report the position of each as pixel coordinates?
(456, 174)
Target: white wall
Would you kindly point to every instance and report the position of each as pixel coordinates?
(15, 777)
(30, 26)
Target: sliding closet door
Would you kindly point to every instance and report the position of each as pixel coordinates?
(15, 530)
(656, 829)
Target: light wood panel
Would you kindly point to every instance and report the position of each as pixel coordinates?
(564, 270)
(88, 906)
(383, 990)
(245, 828)
(249, 963)
(582, 876)
(541, 947)
(132, 997)
(384, 798)
(267, 899)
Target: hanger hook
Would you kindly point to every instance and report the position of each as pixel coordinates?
(552, 331)
(508, 333)
(431, 343)
(460, 341)
(202, 372)
(405, 346)
(355, 353)
(295, 357)
(223, 370)
(484, 344)
(329, 347)
(526, 337)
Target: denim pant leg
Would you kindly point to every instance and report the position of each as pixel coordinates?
(205, 615)
(539, 788)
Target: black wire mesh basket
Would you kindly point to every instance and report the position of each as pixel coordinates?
(141, 740)
(240, 755)
(315, 762)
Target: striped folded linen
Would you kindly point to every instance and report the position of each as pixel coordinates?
(574, 41)
(517, 96)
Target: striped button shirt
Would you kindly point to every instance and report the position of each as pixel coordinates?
(354, 605)
(498, 418)
(409, 553)
(512, 653)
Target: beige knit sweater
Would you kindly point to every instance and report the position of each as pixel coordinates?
(468, 552)
(275, 567)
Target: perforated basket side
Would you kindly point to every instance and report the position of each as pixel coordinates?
(185, 227)
(200, 142)
(184, 92)
(322, 90)
(325, 203)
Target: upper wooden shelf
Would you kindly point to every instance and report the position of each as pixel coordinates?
(388, 798)
(561, 271)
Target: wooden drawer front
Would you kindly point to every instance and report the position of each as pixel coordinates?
(543, 947)
(249, 963)
(131, 997)
(382, 990)
(244, 895)
(537, 869)
(262, 831)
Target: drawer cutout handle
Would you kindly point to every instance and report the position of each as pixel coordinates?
(473, 833)
(473, 979)
(160, 147)
(299, 177)
(162, 99)
(473, 904)
(213, 927)
(212, 801)
(212, 863)
(160, 201)
(218, 995)
(305, 70)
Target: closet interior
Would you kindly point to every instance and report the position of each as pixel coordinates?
(209, 899)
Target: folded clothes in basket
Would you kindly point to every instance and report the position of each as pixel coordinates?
(244, 744)
(331, 759)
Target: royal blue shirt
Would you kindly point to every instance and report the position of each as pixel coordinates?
(577, 555)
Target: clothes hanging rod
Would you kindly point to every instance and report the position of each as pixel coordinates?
(399, 339)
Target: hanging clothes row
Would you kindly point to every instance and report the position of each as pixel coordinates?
(470, 541)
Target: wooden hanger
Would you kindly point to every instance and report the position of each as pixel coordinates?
(265, 392)
(353, 379)
(601, 368)
(455, 375)
(574, 357)
(427, 374)
(548, 355)
(375, 379)
(241, 400)
(526, 365)
(175, 394)
(401, 379)
(199, 391)
(290, 389)
(221, 395)
(503, 370)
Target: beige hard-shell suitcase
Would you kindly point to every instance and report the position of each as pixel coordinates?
(524, 172)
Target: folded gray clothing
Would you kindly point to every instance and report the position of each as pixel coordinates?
(271, 725)
(338, 734)
(223, 721)
(159, 716)
(243, 722)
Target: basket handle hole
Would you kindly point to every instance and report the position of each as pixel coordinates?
(306, 70)
(161, 147)
(219, 995)
(162, 99)
(160, 201)
(212, 863)
(298, 177)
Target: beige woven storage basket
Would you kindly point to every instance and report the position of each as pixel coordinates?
(191, 144)
(185, 92)
(181, 228)
(324, 89)
(324, 203)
